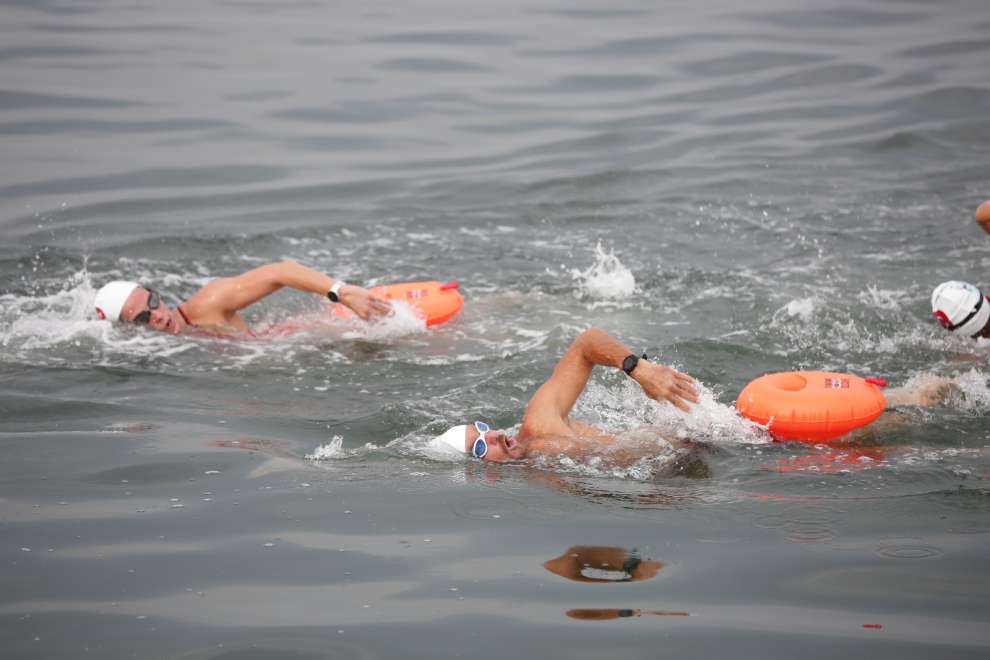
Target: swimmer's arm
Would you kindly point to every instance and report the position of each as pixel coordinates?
(232, 294)
(548, 409)
(927, 391)
(921, 391)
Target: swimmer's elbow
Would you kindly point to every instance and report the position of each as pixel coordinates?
(592, 334)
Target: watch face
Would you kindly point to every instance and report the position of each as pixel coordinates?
(630, 363)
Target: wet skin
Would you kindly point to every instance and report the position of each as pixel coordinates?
(214, 308)
(546, 428)
(162, 318)
(501, 447)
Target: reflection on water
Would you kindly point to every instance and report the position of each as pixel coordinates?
(602, 564)
(604, 614)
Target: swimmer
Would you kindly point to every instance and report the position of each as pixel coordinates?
(546, 428)
(983, 216)
(962, 308)
(215, 307)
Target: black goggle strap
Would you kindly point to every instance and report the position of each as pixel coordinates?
(976, 310)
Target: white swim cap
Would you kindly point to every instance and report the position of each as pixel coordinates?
(960, 307)
(452, 438)
(111, 298)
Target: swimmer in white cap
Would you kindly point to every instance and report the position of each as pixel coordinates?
(215, 307)
(546, 427)
(962, 308)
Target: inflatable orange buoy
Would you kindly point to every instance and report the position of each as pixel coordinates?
(434, 302)
(812, 406)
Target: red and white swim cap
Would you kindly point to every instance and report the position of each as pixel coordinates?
(960, 307)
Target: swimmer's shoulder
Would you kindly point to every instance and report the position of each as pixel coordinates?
(208, 311)
(574, 439)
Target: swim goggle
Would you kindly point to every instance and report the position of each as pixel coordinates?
(480, 447)
(154, 300)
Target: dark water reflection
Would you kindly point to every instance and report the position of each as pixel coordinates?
(609, 614)
(602, 565)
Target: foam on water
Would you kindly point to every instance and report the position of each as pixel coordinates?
(869, 330)
(974, 391)
(606, 279)
(403, 321)
(883, 299)
(330, 451)
(622, 407)
(38, 321)
(802, 309)
(645, 468)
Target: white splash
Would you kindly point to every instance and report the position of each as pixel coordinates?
(37, 321)
(606, 279)
(800, 308)
(968, 391)
(401, 322)
(884, 299)
(329, 451)
(975, 391)
(624, 407)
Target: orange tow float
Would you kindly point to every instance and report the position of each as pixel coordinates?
(812, 406)
(434, 302)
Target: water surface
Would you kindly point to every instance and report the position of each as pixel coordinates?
(734, 188)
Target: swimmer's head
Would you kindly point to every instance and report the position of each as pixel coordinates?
(983, 215)
(480, 441)
(131, 302)
(961, 307)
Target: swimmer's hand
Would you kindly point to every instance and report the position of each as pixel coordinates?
(364, 303)
(663, 383)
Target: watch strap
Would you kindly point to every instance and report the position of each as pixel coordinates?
(334, 293)
(630, 361)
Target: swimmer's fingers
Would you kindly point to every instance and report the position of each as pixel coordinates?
(361, 301)
(380, 306)
(687, 389)
(663, 383)
(679, 403)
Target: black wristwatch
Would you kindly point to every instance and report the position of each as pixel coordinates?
(334, 293)
(630, 362)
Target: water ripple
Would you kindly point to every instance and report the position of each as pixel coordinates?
(24, 100)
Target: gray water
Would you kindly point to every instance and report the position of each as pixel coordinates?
(733, 187)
